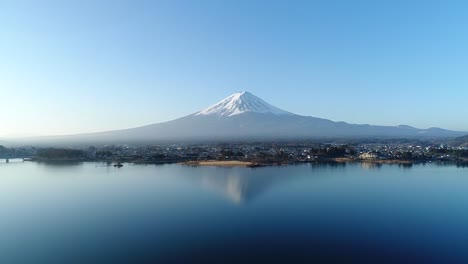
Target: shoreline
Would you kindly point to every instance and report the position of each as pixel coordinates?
(345, 160)
(249, 164)
(222, 163)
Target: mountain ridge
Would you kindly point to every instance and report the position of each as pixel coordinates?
(244, 116)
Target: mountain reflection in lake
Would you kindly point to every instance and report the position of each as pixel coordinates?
(239, 185)
(311, 213)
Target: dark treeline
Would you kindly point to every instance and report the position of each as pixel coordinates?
(8, 153)
(460, 153)
(333, 151)
(61, 154)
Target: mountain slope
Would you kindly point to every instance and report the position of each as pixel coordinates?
(460, 141)
(243, 116)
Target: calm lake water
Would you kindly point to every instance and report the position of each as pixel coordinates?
(353, 213)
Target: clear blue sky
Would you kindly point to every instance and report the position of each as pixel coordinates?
(83, 66)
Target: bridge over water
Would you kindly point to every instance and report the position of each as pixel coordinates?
(7, 159)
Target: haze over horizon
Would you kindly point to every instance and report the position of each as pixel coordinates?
(77, 67)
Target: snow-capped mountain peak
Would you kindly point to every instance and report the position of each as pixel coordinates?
(239, 103)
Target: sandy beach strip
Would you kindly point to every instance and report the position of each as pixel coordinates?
(221, 163)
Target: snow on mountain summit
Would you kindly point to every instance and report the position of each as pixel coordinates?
(239, 103)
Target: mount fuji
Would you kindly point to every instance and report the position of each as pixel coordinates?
(244, 116)
(240, 103)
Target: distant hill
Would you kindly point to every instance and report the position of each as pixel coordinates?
(244, 116)
(460, 141)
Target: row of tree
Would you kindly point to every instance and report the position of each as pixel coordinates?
(61, 154)
(8, 153)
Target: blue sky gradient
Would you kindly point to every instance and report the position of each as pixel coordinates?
(85, 66)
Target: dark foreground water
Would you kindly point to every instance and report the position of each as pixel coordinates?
(94, 213)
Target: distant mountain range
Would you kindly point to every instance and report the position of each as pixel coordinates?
(244, 116)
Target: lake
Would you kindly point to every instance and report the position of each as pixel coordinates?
(329, 213)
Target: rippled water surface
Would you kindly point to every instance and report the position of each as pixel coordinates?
(353, 213)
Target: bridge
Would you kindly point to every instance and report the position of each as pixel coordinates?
(7, 159)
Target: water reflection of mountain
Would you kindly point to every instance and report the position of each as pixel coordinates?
(370, 165)
(241, 185)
